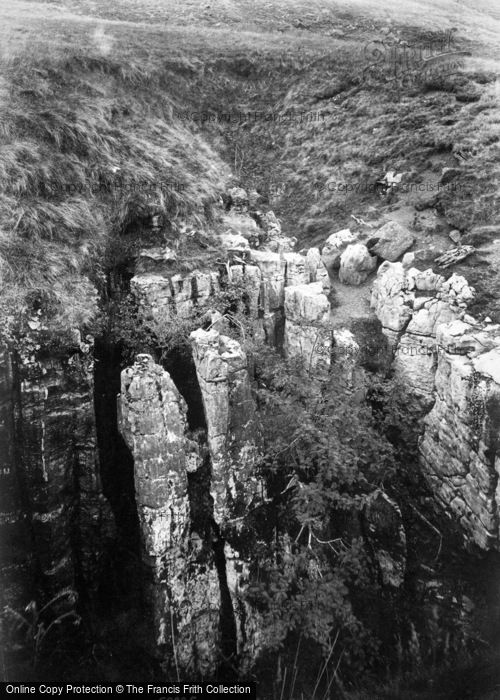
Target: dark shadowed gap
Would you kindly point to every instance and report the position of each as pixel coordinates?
(124, 585)
(180, 365)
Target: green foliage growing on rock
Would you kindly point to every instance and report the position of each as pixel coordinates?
(324, 457)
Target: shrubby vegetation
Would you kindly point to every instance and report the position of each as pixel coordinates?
(324, 457)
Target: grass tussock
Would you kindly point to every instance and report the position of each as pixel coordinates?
(89, 149)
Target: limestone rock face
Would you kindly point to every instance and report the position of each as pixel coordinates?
(460, 446)
(394, 240)
(448, 364)
(334, 247)
(411, 320)
(55, 531)
(307, 330)
(185, 589)
(235, 449)
(233, 436)
(272, 268)
(391, 299)
(297, 271)
(176, 295)
(356, 264)
(316, 267)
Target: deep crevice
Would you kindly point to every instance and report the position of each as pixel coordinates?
(124, 585)
(227, 618)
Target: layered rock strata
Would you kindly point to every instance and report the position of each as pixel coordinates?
(448, 363)
(53, 494)
(307, 323)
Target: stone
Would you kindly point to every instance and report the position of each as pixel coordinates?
(234, 444)
(184, 586)
(158, 259)
(393, 240)
(408, 260)
(449, 365)
(55, 524)
(356, 264)
(234, 242)
(296, 271)
(238, 198)
(391, 299)
(315, 266)
(233, 438)
(334, 247)
(455, 236)
(165, 296)
(307, 323)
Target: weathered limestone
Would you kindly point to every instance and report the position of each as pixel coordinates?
(449, 366)
(307, 328)
(393, 240)
(233, 437)
(346, 353)
(17, 564)
(177, 295)
(296, 271)
(356, 264)
(234, 444)
(251, 277)
(392, 300)
(272, 267)
(333, 249)
(460, 445)
(51, 490)
(185, 591)
(316, 267)
(410, 319)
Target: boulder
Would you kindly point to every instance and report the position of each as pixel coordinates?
(393, 241)
(238, 198)
(356, 264)
(234, 242)
(334, 247)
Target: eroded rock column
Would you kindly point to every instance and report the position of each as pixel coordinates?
(185, 589)
(234, 444)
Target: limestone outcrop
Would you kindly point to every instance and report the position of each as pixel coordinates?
(307, 327)
(53, 506)
(232, 431)
(165, 296)
(185, 589)
(234, 443)
(448, 364)
(460, 445)
(411, 305)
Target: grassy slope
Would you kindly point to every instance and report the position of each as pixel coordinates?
(91, 86)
